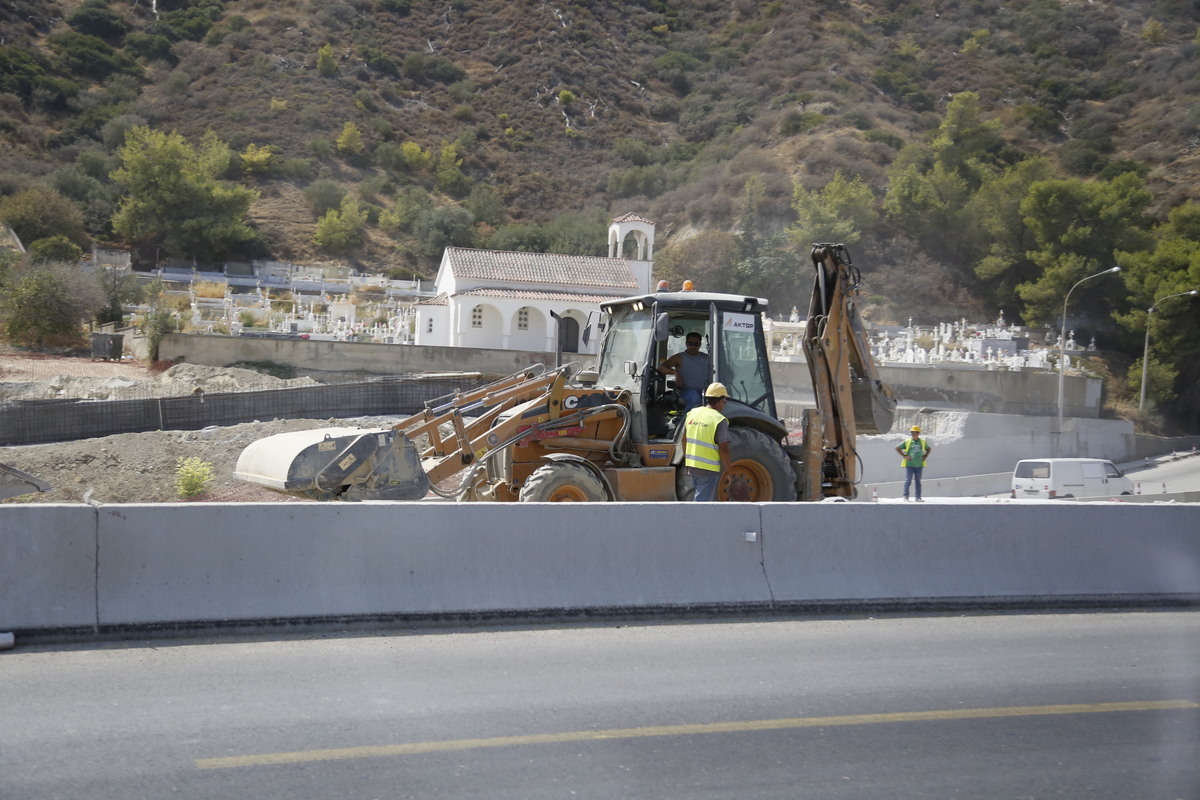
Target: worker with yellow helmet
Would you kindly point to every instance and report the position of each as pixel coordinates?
(706, 442)
(915, 452)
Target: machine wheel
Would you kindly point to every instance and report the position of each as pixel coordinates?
(563, 482)
(760, 471)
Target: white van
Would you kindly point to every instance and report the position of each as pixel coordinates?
(1050, 478)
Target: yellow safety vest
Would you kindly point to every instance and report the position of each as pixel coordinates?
(913, 456)
(701, 451)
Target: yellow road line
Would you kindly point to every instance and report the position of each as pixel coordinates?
(417, 748)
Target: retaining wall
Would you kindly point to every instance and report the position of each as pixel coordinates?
(992, 391)
(83, 571)
(318, 355)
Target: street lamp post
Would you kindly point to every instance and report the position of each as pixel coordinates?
(1062, 339)
(1146, 350)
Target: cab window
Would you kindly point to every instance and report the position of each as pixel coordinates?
(628, 340)
(743, 365)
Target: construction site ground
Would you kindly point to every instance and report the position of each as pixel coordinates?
(136, 467)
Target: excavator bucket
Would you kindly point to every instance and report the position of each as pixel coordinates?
(874, 408)
(336, 464)
(14, 483)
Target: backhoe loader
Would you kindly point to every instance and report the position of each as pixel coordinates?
(614, 431)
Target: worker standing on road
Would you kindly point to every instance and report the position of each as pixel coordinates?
(914, 450)
(706, 442)
(691, 370)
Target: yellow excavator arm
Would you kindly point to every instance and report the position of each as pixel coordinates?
(851, 397)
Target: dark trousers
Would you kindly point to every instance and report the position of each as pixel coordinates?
(912, 474)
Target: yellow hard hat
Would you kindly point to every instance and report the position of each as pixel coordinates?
(716, 390)
(915, 429)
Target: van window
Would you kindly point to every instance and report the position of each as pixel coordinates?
(1092, 470)
(1038, 470)
(1110, 470)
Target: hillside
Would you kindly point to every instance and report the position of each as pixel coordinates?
(525, 125)
(708, 93)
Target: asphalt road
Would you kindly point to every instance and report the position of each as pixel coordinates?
(1066, 706)
(1181, 474)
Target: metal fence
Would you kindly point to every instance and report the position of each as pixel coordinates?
(41, 421)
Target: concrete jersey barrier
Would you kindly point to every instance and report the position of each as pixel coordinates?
(83, 571)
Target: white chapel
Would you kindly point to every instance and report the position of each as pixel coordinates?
(506, 300)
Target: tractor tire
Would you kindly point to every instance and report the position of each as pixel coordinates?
(563, 482)
(760, 472)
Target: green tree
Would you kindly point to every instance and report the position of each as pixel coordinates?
(95, 18)
(174, 197)
(1078, 227)
(966, 143)
(47, 304)
(55, 248)
(486, 206)
(120, 288)
(838, 212)
(578, 233)
(341, 230)
(998, 240)
(438, 228)
(928, 205)
(350, 141)
(39, 213)
(324, 195)
(448, 176)
(326, 63)
(1153, 31)
(1171, 266)
(257, 160)
(416, 157)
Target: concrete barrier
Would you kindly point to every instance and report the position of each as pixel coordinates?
(996, 483)
(47, 566)
(79, 571)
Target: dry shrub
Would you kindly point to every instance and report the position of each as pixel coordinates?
(209, 289)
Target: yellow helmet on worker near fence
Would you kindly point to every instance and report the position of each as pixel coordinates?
(716, 390)
(915, 429)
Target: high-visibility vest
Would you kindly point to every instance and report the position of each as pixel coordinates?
(701, 451)
(914, 456)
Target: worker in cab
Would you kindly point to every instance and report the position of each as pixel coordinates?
(706, 443)
(691, 369)
(915, 452)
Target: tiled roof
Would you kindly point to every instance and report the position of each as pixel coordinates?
(631, 217)
(519, 294)
(505, 266)
(441, 300)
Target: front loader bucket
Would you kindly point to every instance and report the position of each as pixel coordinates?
(14, 483)
(336, 464)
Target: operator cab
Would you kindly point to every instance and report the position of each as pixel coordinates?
(645, 330)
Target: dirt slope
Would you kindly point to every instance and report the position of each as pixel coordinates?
(136, 467)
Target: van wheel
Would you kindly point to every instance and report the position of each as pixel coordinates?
(562, 482)
(760, 471)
